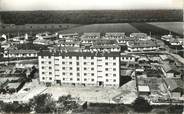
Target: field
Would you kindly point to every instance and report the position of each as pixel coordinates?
(176, 27)
(118, 27)
(154, 28)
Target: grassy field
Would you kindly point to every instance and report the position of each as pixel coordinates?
(177, 27)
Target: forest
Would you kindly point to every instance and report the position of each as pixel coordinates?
(89, 16)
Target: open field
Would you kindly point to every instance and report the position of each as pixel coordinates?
(109, 27)
(177, 27)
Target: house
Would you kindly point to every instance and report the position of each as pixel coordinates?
(139, 36)
(175, 86)
(170, 71)
(115, 35)
(27, 64)
(167, 37)
(143, 90)
(142, 45)
(43, 42)
(69, 35)
(19, 53)
(127, 58)
(174, 42)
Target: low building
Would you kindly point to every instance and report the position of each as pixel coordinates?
(115, 35)
(69, 35)
(174, 42)
(127, 58)
(27, 64)
(20, 53)
(143, 90)
(167, 37)
(139, 36)
(43, 42)
(170, 71)
(175, 87)
(91, 35)
(143, 45)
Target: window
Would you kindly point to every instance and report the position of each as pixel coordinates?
(107, 80)
(92, 68)
(77, 63)
(70, 63)
(106, 63)
(84, 57)
(56, 64)
(49, 57)
(106, 69)
(42, 67)
(114, 69)
(92, 74)
(56, 59)
(78, 74)
(42, 57)
(85, 79)
(114, 75)
(92, 80)
(50, 72)
(92, 63)
(50, 78)
(92, 57)
(43, 72)
(63, 57)
(71, 79)
(85, 74)
(63, 68)
(70, 57)
(77, 58)
(84, 63)
(63, 63)
(49, 62)
(78, 79)
(57, 75)
(70, 68)
(114, 80)
(78, 68)
(43, 78)
(114, 58)
(114, 63)
(56, 69)
(42, 62)
(50, 67)
(63, 73)
(71, 74)
(84, 68)
(63, 78)
(106, 58)
(106, 74)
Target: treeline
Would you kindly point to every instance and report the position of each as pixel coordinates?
(89, 16)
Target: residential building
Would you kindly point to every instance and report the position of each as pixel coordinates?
(69, 35)
(20, 53)
(80, 68)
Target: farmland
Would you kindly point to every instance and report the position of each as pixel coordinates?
(176, 27)
(118, 27)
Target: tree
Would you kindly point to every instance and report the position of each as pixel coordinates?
(66, 103)
(43, 103)
(141, 105)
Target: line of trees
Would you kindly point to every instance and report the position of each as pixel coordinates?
(41, 104)
(89, 16)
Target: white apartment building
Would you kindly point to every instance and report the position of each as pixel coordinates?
(80, 68)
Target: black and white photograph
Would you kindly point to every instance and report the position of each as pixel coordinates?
(91, 56)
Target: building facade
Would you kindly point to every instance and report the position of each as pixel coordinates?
(80, 68)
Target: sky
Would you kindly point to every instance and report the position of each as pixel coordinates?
(89, 4)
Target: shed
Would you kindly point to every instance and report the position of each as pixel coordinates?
(144, 90)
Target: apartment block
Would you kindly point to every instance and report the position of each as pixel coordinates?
(80, 68)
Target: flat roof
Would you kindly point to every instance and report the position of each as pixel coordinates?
(143, 89)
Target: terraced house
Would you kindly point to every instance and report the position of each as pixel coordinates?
(80, 68)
